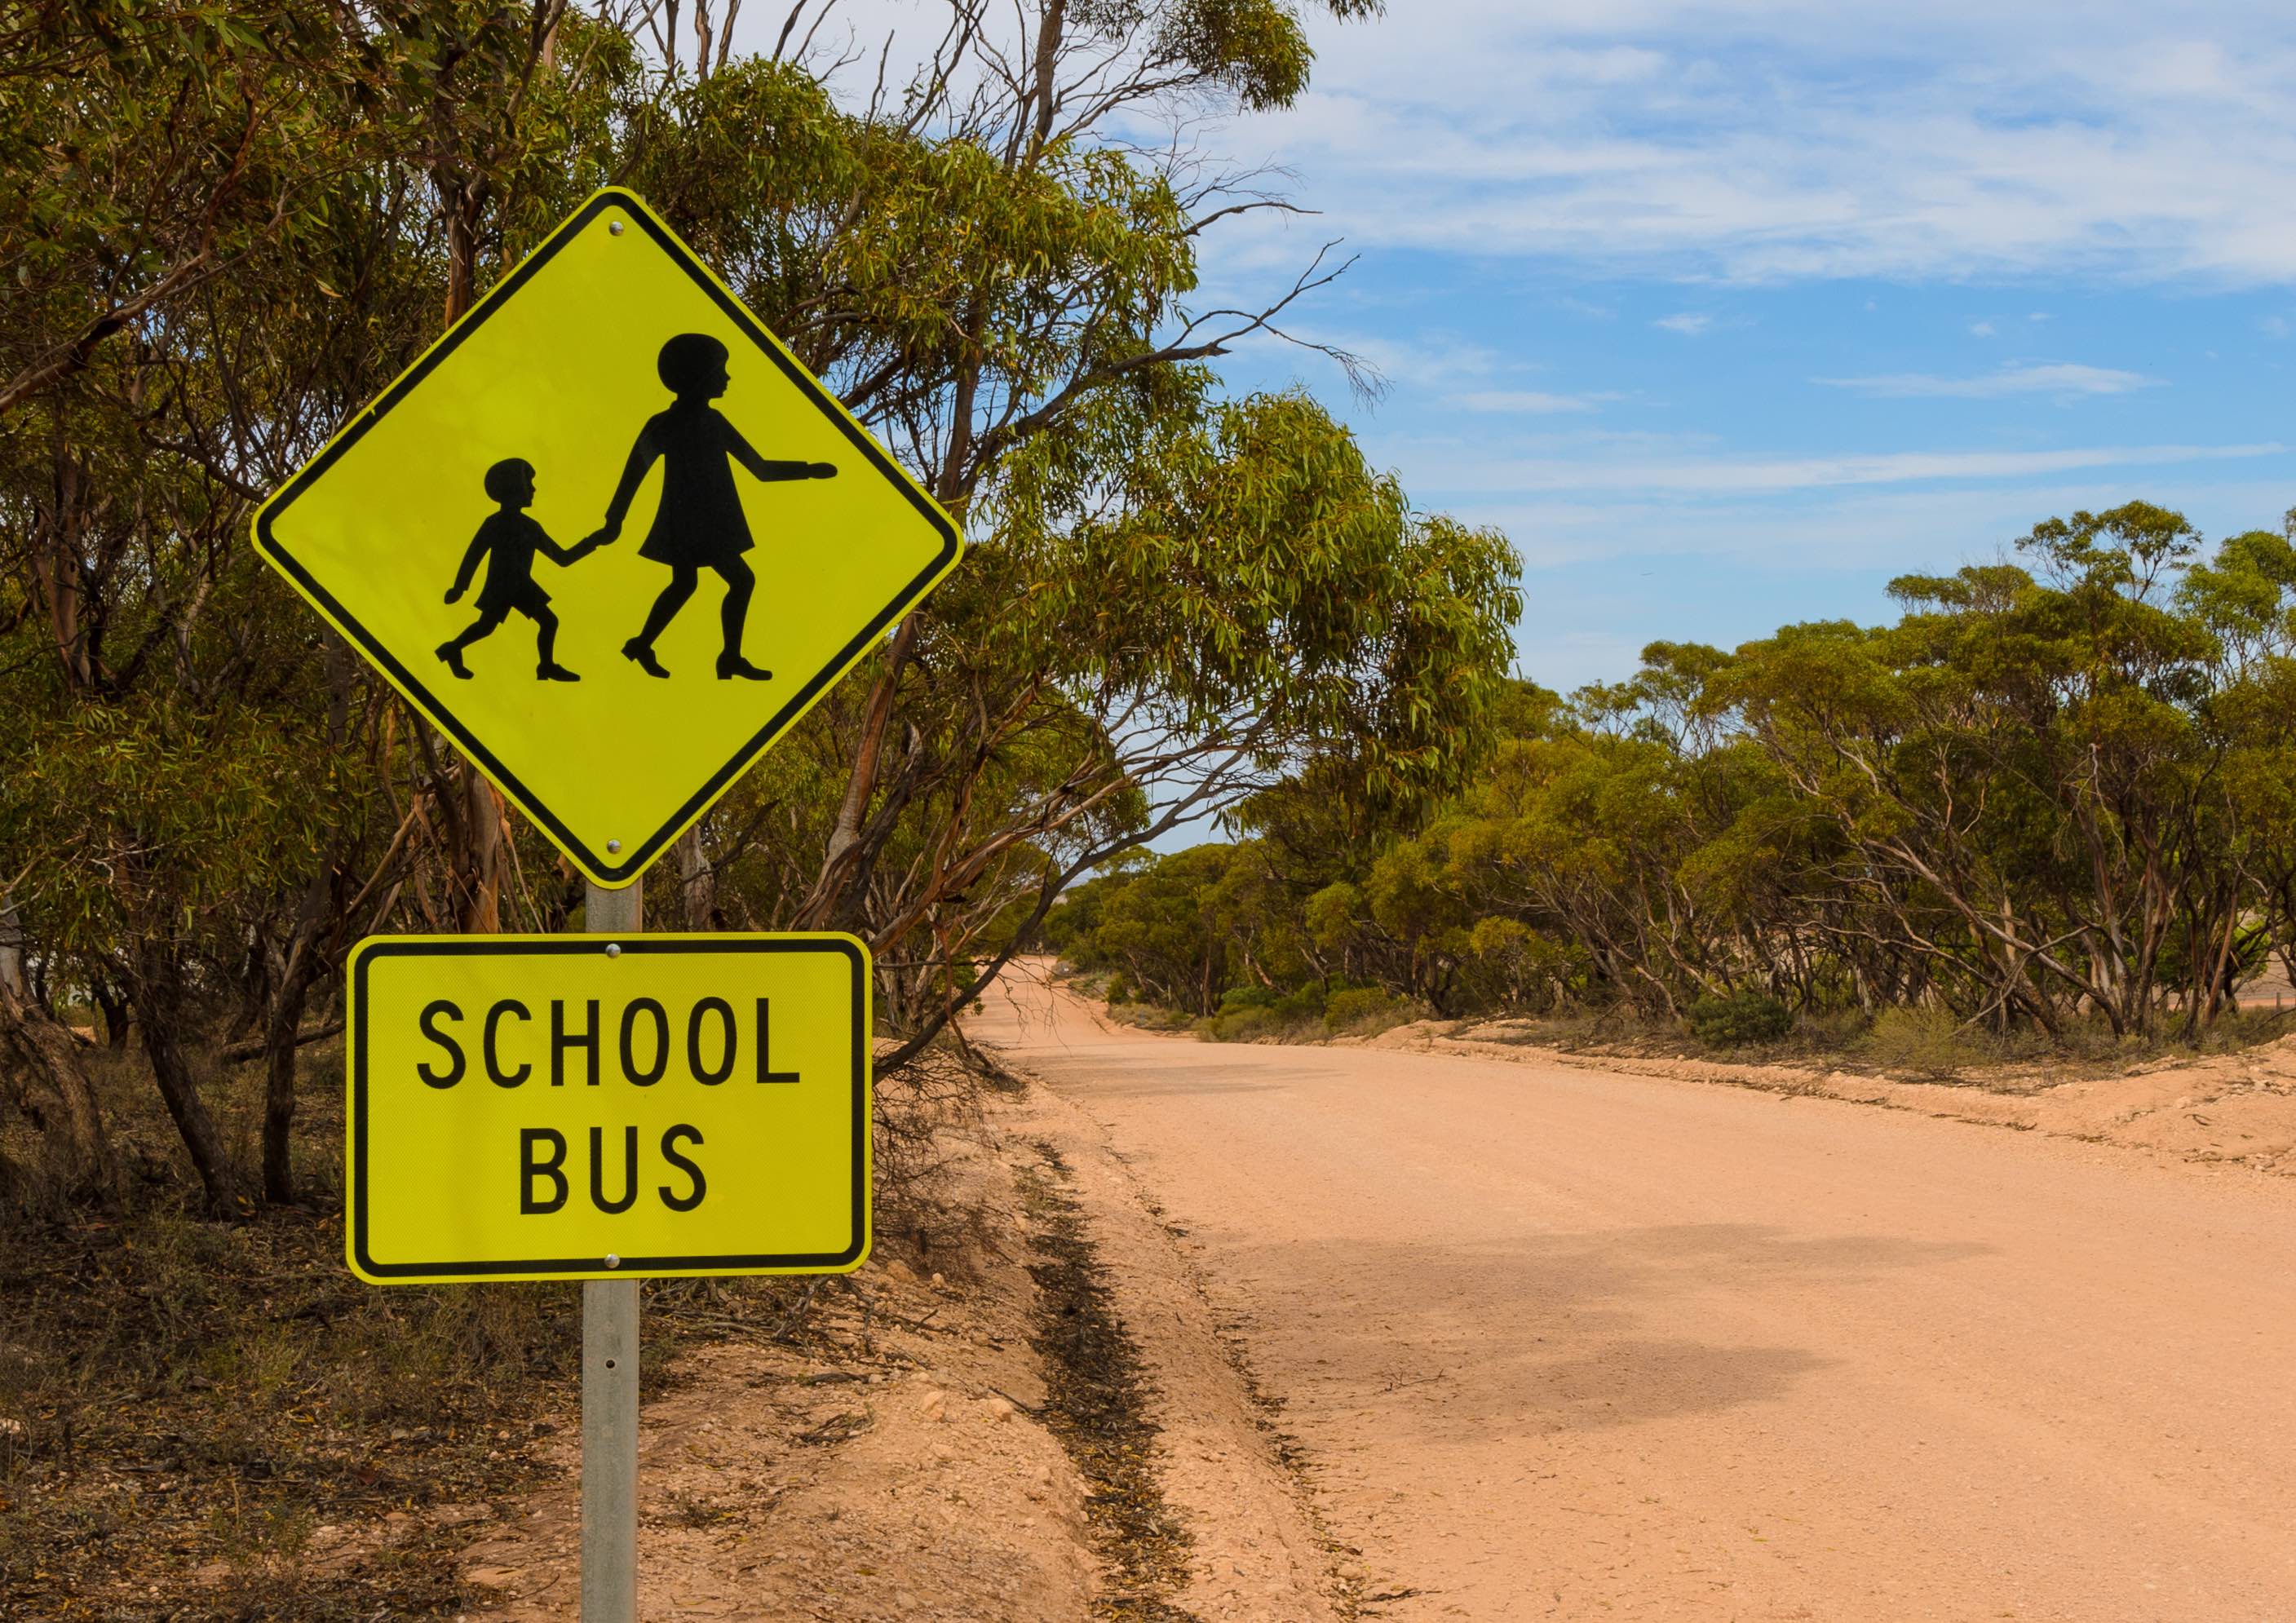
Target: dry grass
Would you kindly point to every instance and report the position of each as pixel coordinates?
(1151, 1017)
(1910, 1045)
(187, 1403)
(218, 1421)
(1096, 1403)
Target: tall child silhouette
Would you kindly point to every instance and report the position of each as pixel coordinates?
(508, 541)
(700, 524)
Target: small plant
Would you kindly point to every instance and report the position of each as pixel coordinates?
(1253, 1022)
(1740, 1020)
(1365, 1011)
(1926, 1044)
(1151, 1017)
(1119, 989)
(1262, 1014)
(1247, 997)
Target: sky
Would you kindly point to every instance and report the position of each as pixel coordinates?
(1728, 314)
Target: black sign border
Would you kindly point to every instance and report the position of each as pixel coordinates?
(577, 946)
(610, 872)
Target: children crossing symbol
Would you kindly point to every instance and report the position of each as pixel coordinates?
(608, 383)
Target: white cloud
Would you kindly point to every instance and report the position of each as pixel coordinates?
(1840, 529)
(2274, 326)
(1980, 329)
(1764, 140)
(1727, 476)
(1529, 401)
(2015, 380)
(1774, 140)
(1686, 324)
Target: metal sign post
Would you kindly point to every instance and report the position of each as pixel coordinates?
(607, 1105)
(610, 1381)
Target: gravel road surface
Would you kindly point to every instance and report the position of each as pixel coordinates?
(1564, 1344)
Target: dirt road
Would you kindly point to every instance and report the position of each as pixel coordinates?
(1565, 1344)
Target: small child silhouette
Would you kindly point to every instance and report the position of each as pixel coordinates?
(508, 540)
(700, 524)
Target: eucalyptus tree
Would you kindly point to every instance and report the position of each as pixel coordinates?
(1173, 597)
(226, 224)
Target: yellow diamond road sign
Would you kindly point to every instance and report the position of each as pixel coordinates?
(610, 536)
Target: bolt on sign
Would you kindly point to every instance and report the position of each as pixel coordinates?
(575, 1107)
(609, 518)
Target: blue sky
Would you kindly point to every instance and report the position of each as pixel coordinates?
(1728, 314)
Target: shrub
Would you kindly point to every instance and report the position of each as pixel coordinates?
(1739, 1020)
(1259, 1014)
(1252, 1023)
(1364, 1009)
(1921, 1042)
(1119, 989)
(1306, 1004)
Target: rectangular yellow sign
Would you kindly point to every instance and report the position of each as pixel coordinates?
(599, 1107)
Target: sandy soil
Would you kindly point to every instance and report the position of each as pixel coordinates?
(878, 1472)
(2239, 1107)
(1565, 1342)
(1255, 1556)
(902, 1468)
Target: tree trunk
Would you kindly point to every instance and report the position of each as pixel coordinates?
(12, 949)
(279, 1086)
(479, 870)
(480, 861)
(697, 885)
(158, 1012)
(833, 878)
(113, 1007)
(41, 1076)
(316, 922)
(304, 960)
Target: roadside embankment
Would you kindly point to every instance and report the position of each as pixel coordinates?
(2237, 1107)
(1040, 1424)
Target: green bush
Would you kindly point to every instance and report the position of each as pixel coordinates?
(1119, 989)
(1739, 1020)
(1924, 1044)
(1304, 1004)
(1252, 1023)
(1261, 1014)
(1364, 1009)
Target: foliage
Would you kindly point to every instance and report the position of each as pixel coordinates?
(1740, 1020)
(2054, 792)
(1259, 1013)
(229, 224)
(1926, 1044)
(1362, 1010)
